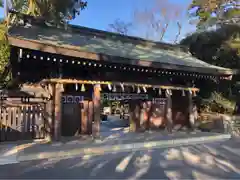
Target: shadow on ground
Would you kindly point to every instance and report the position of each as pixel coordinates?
(218, 161)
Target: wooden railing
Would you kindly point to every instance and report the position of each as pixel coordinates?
(21, 121)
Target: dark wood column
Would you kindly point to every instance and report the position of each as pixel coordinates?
(96, 105)
(137, 114)
(57, 107)
(132, 112)
(169, 113)
(90, 118)
(48, 116)
(191, 110)
(84, 117)
(149, 114)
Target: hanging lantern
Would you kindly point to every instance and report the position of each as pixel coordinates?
(122, 86)
(183, 93)
(190, 91)
(138, 90)
(194, 93)
(99, 86)
(20, 53)
(133, 87)
(61, 88)
(144, 89)
(83, 88)
(50, 88)
(109, 87)
(76, 87)
(114, 88)
(160, 91)
(168, 92)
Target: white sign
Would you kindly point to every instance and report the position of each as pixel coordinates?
(123, 96)
(72, 99)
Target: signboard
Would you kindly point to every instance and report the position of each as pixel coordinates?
(72, 99)
(160, 101)
(123, 96)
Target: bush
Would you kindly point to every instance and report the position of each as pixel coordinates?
(218, 103)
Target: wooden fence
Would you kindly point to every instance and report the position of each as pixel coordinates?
(21, 121)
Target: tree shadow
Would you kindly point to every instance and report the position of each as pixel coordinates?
(190, 162)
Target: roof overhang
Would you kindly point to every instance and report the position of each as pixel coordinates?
(74, 52)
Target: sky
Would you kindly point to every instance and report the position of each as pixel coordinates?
(100, 13)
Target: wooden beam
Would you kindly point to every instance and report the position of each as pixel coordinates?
(75, 81)
(74, 51)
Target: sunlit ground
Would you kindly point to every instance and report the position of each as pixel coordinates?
(214, 161)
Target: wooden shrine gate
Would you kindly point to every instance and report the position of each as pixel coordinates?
(21, 120)
(77, 114)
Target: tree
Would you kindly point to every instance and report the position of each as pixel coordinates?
(53, 11)
(120, 27)
(219, 47)
(215, 12)
(156, 20)
(153, 21)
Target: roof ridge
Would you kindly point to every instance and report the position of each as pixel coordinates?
(38, 21)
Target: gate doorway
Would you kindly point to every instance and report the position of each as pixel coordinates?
(77, 113)
(114, 114)
(125, 112)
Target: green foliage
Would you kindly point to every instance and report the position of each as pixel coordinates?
(219, 47)
(51, 10)
(4, 48)
(215, 12)
(54, 11)
(218, 103)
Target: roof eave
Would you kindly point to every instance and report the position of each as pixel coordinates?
(49, 48)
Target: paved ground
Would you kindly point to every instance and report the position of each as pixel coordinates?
(115, 138)
(219, 160)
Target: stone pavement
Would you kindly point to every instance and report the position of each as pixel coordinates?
(115, 138)
(216, 160)
(130, 142)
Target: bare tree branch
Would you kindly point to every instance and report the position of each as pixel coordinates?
(120, 27)
(179, 32)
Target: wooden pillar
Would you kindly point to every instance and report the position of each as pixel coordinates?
(49, 114)
(143, 115)
(48, 120)
(169, 113)
(90, 117)
(96, 108)
(191, 111)
(132, 117)
(84, 118)
(137, 115)
(57, 105)
(149, 114)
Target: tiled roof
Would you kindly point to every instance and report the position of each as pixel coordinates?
(111, 45)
